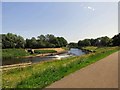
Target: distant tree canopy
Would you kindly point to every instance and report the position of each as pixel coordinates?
(46, 41)
(101, 41)
(116, 40)
(43, 41)
(73, 45)
(85, 42)
(10, 40)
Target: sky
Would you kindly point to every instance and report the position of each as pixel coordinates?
(72, 20)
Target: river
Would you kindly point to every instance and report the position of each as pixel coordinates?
(71, 52)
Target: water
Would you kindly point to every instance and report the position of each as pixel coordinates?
(76, 51)
(71, 52)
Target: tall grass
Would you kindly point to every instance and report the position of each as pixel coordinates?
(13, 53)
(43, 74)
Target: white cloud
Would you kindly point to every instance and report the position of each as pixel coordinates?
(91, 8)
(88, 7)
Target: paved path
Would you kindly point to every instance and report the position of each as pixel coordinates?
(102, 74)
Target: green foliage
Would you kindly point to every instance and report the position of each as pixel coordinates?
(43, 74)
(12, 41)
(13, 53)
(46, 41)
(106, 41)
(72, 45)
(62, 41)
(44, 51)
(85, 42)
(116, 40)
(101, 41)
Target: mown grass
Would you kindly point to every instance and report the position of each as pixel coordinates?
(43, 74)
(44, 51)
(13, 53)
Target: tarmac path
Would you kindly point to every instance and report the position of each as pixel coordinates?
(102, 74)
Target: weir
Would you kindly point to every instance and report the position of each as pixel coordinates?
(71, 52)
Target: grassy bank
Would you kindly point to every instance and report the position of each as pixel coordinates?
(43, 74)
(44, 51)
(12, 53)
(90, 48)
(65, 48)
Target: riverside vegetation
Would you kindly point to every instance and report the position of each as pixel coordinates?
(43, 74)
(18, 53)
(13, 53)
(13, 45)
(44, 51)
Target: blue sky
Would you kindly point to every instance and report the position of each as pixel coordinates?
(74, 21)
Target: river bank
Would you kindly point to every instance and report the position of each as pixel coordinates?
(48, 57)
(22, 65)
(43, 74)
(89, 49)
(17, 56)
(19, 53)
(58, 51)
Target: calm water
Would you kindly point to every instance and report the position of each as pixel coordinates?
(71, 52)
(76, 51)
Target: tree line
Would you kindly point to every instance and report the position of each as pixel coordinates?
(10, 40)
(101, 41)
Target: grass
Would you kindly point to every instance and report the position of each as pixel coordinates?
(16, 53)
(93, 48)
(65, 48)
(13, 53)
(44, 51)
(43, 74)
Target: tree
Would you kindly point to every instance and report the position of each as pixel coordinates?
(20, 43)
(34, 42)
(85, 42)
(73, 45)
(10, 40)
(52, 40)
(116, 40)
(42, 38)
(62, 41)
(92, 41)
(105, 41)
(28, 43)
